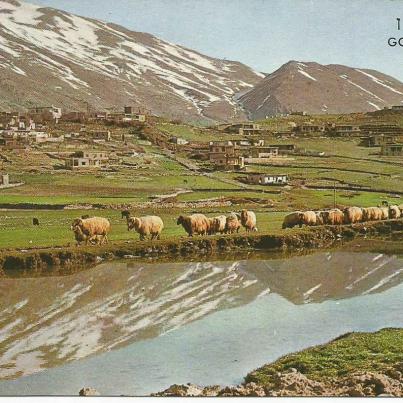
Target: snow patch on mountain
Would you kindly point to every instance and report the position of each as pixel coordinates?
(76, 49)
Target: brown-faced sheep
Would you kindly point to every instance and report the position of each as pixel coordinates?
(90, 228)
(293, 219)
(352, 215)
(80, 237)
(232, 224)
(217, 224)
(394, 212)
(333, 217)
(248, 220)
(146, 226)
(320, 217)
(195, 224)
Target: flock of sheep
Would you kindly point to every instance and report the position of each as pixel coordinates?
(350, 215)
(95, 230)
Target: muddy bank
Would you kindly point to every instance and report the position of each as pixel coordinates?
(357, 368)
(65, 260)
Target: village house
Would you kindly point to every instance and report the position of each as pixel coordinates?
(309, 128)
(392, 150)
(225, 155)
(128, 115)
(377, 140)
(284, 149)
(74, 116)
(97, 116)
(398, 108)
(345, 130)
(245, 145)
(45, 114)
(87, 160)
(263, 152)
(4, 179)
(379, 129)
(243, 129)
(267, 179)
(6, 117)
(100, 135)
(10, 142)
(178, 141)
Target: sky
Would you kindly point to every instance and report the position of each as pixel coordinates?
(264, 34)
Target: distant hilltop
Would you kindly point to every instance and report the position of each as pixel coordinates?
(51, 57)
(314, 88)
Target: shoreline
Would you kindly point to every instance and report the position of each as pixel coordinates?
(323, 370)
(64, 260)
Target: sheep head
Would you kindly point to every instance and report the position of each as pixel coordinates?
(133, 223)
(77, 223)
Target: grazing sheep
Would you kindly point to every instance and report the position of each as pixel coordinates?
(146, 226)
(232, 223)
(372, 214)
(394, 212)
(334, 217)
(217, 224)
(81, 237)
(352, 215)
(308, 218)
(248, 220)
(293, 219)
(197, 224)
(91, 227)
(35, 221)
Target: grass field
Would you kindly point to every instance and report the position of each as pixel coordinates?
(347, 355)
(151, 173)
(17, 231)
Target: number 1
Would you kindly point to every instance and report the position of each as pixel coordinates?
(398, 24)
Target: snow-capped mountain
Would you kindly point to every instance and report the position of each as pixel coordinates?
(49, 56)
(316, 88)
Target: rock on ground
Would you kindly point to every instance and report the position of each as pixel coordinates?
(294, 383)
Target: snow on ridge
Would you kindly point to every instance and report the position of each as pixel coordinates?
(67, 40)
(363, 89)
(374, 105)
(307, 75)
(264, 101)
(23, 13)
(303, 72)
(379, 81)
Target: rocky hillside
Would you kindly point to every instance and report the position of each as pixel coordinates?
(49, 56)
(316, 88)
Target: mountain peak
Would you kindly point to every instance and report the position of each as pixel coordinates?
(316, 88)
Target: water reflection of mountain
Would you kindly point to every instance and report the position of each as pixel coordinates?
(48, 321)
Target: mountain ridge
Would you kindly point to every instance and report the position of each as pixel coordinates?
(316, 88)
(79, 60)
